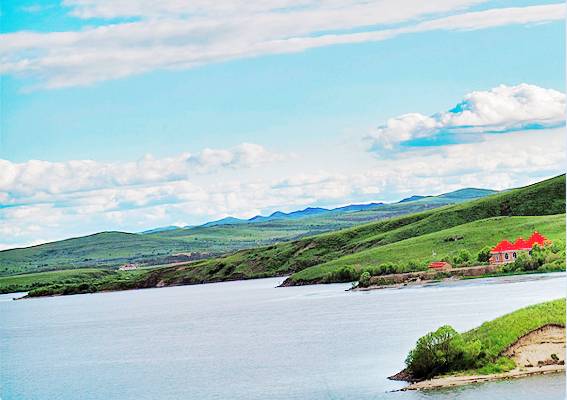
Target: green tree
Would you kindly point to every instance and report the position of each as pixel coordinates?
(364, 280)
(463, 258)
(484, 254)
(442, 351)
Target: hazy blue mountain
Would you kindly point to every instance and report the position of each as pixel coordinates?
(161, 229)
(468, 193)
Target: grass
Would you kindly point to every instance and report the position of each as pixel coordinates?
(544, 198)
(111, 249)
(313, 259)
(26, 282)
(472, 236)
(497, 335)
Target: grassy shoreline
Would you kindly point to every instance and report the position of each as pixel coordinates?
(446, 358)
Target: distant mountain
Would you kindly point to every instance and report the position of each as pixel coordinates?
(412, 198)
(224, 221)
(280, 215)
(358, 207)
(161, 229)
(166, 244)
(460, 195)
(307, 212)
(467, 193)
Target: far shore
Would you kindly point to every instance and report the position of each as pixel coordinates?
(461, 380)
(423, 278)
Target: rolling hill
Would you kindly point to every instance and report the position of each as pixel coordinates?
(171, 244)
(310, 260)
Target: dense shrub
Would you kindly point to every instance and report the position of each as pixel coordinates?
(344, 274)
(484, 255)
(543, 259)
(414, 265)
(442, 351)
(364, 279)
(462, 259)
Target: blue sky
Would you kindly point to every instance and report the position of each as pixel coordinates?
(320, 106)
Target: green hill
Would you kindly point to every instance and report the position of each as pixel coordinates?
(544, 198)
(423, 249)
(111, 249)
(448, 229)
(102, 250)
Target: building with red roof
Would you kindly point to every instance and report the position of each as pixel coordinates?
(506, 252)
(439, 265)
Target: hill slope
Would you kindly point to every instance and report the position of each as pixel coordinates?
(544, 198)
(160, 246)
(103, 250)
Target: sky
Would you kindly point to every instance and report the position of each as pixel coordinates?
(134, 114)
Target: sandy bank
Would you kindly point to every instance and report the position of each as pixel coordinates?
(452, 381)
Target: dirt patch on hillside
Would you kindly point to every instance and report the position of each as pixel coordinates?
(544, 346)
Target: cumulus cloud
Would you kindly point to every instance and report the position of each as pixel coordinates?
(78, 209)
(37, 180)
(188, 34)
(499, 110)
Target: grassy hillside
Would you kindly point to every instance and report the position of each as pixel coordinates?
(111, 249)
(448, 242)
(481, 349)
(105, 250)
(544, 198)
(27, 282)
(469, 225)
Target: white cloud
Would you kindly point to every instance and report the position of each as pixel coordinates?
(501, 109)
(37, 180)
(501, 162)
(187, 34)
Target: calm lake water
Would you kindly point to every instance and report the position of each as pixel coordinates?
(249, 340)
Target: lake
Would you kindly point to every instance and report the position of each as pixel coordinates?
(249, 340)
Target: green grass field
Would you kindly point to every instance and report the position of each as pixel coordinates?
(26, 282)
(497, 335)
(472, 237)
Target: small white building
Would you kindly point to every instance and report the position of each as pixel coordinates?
(128, 267)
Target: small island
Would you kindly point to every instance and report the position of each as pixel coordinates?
(529, 341)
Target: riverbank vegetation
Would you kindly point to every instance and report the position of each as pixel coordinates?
(480, 350)
(28, 282)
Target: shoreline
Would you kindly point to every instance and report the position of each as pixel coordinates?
(461, 380)
(417, 279)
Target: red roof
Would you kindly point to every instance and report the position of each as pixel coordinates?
(503, 246)
(520, 244)
(537, 238)
(439, 264)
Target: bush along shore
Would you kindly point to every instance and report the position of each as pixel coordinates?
(550, 258)
(526, 342)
